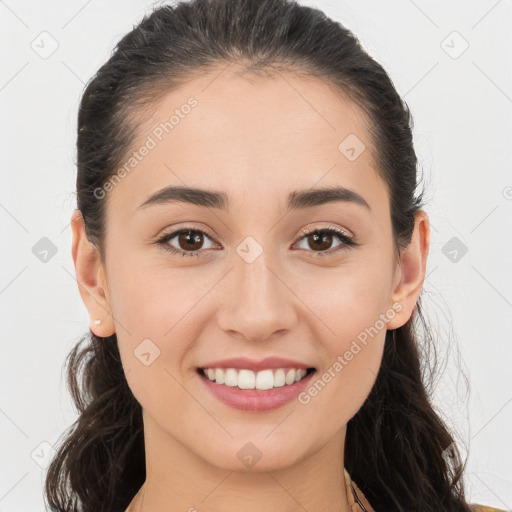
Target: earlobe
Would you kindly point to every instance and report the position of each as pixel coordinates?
(91, 280)
(413, 263)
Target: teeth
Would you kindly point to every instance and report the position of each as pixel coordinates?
(219, 376)
(247, 379)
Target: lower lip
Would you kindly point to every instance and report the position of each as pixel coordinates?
(253, 400)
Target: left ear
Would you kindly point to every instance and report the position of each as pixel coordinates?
(411, 271)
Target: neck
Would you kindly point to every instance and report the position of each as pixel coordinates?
(177, 479)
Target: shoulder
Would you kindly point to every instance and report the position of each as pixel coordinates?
(475, 507)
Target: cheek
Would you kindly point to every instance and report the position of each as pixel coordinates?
(354, 354)
(154, 301)
(351, 310)
(346, 300)
(157, 321)
(340, 389)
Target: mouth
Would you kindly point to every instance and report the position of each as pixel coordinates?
(262, 380)
(255, 391)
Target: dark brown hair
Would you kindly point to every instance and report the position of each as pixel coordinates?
(396, 443)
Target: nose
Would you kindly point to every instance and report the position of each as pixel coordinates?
(257, 302)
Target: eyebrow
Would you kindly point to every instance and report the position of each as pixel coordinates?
(297, 200)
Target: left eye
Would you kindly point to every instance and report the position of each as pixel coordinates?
(189, 239)
(323, 239)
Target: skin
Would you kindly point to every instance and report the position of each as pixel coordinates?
(257, 140)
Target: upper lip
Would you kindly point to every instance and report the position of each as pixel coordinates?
(251, 364)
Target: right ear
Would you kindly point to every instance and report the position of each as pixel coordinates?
(91, 279)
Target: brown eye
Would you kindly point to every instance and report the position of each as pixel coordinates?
(321, 240)
(189, 242)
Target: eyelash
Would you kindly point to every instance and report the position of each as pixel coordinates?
(346, 241)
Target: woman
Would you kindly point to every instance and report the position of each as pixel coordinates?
(277, 368)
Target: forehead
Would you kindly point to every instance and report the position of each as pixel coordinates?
(251, 137)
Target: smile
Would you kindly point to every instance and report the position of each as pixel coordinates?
(261, 380)
(255, 391)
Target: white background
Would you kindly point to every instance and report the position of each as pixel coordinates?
(462, 109)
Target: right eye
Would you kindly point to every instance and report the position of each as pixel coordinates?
(187, 238)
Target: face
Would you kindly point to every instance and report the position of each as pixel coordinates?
(261, 274)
